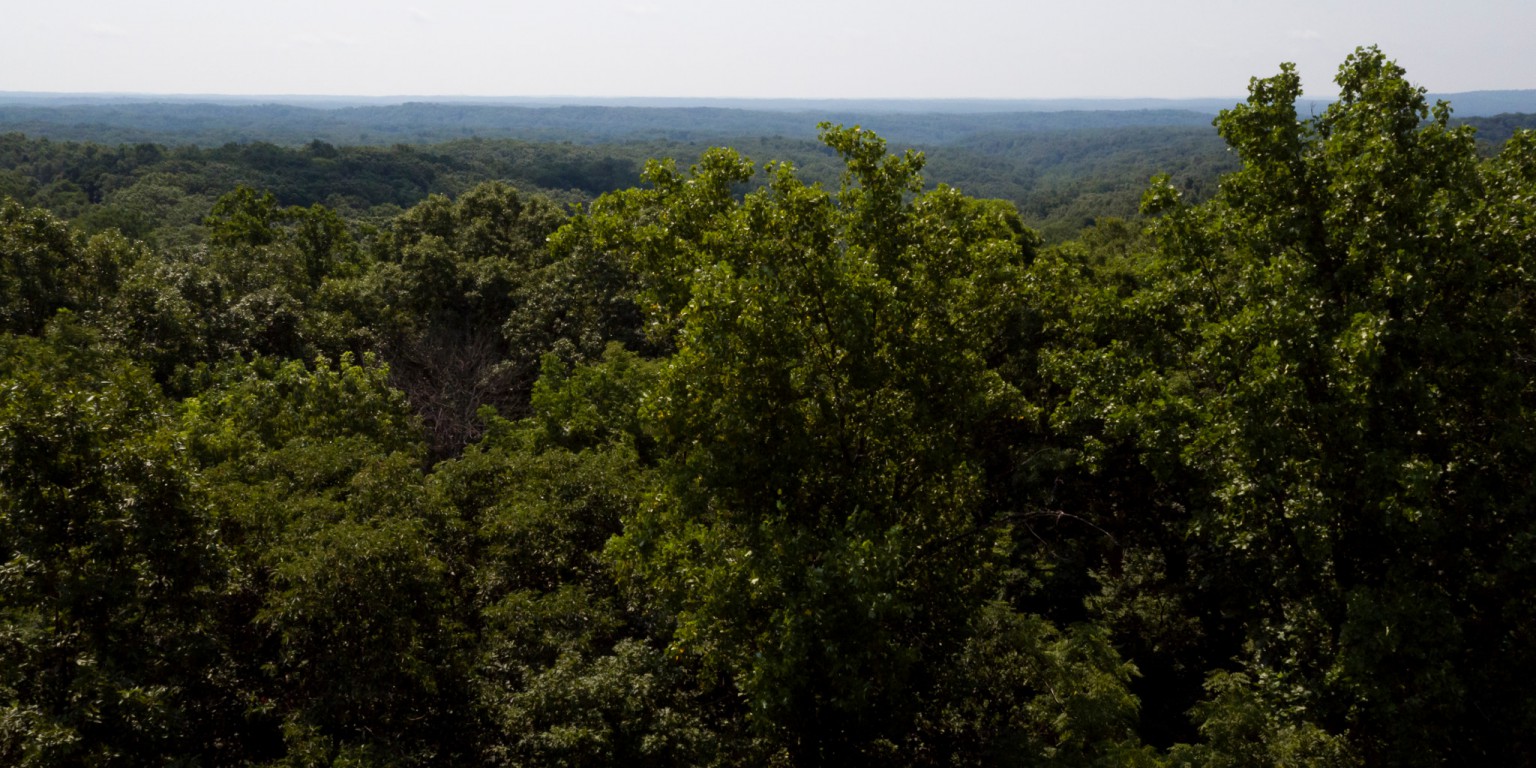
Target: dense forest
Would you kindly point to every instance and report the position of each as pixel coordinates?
(425, 122)
(321, 455)
(151, 170)
(1059, 180)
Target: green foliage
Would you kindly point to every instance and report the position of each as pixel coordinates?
(820, 528)
(740, 469)
(1022, 692)
(545, 525)
(243, 217)
(631, 707)
(570, 668)
(1242, 729)
(44, 267)
(342, 585)
(107, 573)
(1063, 170)
(266, 285)
(271, 404)
(35, 249)
(453, 272)
(365, 651)
(1308, 364)
(594, 404)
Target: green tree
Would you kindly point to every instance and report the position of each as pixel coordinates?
(570, 669)
(265, 284)
(821, 527)
(343, 601)
(109, 572)
(44, 267)
(1325, 370)
(451, 274)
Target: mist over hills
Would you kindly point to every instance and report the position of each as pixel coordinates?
(914, 105)
(1467, 104)
(211, 124)
(214, 120)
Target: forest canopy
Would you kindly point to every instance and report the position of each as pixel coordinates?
(755, 465)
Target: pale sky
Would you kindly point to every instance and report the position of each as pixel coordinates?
(751, 48)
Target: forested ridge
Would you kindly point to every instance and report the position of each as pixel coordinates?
(1059, 180)
(211, 124)
(342, 456)
(1062, 170)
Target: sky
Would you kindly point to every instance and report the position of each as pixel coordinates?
(808, 49)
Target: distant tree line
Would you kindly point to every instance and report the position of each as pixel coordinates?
(1059, 180)
(430, 123)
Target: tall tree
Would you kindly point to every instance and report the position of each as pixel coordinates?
(1327, 366)
(821, 529)
(109, 576)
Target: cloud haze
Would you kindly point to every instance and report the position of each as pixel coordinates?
(792, 48)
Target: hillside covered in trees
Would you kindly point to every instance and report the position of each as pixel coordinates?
(341, 456)
(151, 170)
(1059, 179)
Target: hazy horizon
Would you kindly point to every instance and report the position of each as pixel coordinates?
(1468, 104)
(690, 49)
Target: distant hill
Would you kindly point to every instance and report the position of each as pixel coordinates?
(1062, 169)
(294, 120)
(940, 106)
(1466, 104)
(209, 124)
(1488, 103)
